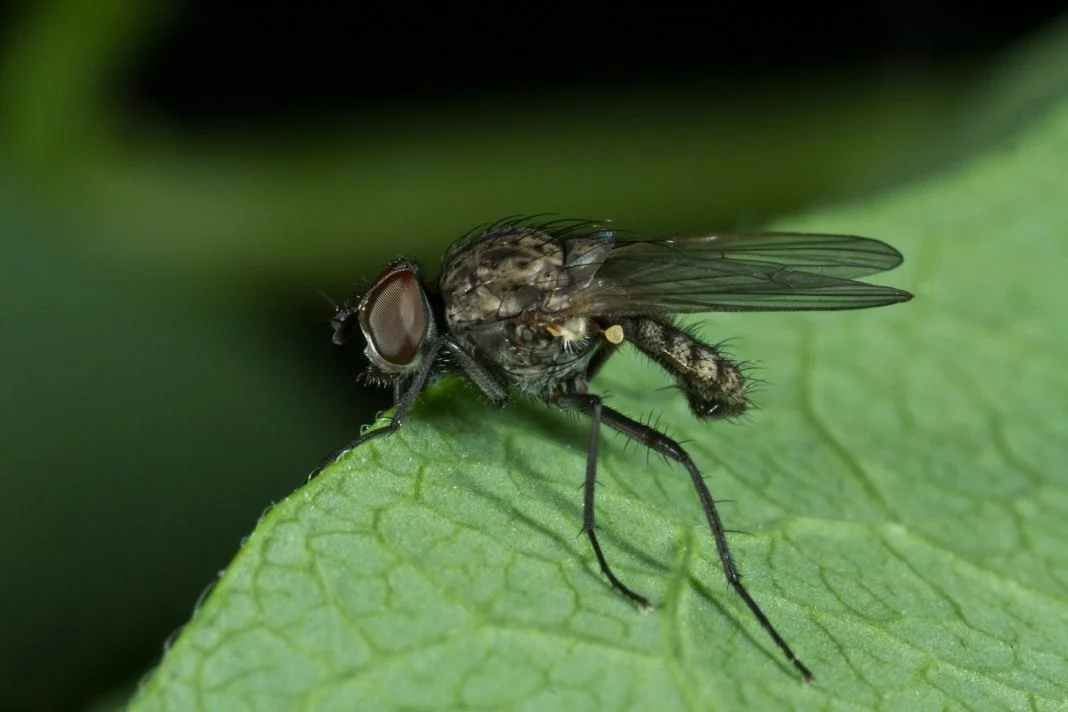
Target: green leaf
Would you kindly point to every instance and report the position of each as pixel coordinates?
(904, 488)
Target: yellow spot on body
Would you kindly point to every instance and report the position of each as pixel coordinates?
(614, 334)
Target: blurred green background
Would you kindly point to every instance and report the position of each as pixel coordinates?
(178, 181)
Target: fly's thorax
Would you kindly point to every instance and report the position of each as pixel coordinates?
(518, 271)
(497, 280)
(507, 296)
(714, 386)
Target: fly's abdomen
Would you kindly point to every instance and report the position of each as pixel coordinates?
(713, 384)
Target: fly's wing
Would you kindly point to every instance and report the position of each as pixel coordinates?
(763, 271)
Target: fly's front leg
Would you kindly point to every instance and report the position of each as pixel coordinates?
(474, 370)
(591, 405)
(404, 401)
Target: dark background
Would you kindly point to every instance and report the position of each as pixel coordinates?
(177, 181)
(223, 63)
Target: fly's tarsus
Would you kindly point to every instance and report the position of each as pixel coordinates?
(540, 307)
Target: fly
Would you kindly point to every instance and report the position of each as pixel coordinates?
(539, 307)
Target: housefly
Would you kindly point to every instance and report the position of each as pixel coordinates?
(539, 307)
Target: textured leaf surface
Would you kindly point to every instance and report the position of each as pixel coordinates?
(904, 489)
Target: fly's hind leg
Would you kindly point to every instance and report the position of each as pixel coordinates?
(715, 386)
(658, 442)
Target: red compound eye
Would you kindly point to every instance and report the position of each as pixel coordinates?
(394, 317)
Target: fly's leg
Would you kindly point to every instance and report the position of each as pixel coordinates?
(404, 397)
(592, 406)
(714, 385)
(404, 401)
(658, 442)
(487, 381)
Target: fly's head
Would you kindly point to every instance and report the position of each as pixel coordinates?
(397, 322)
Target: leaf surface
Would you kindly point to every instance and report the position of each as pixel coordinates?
(903, 489)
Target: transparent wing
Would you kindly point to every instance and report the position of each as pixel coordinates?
(762, 271)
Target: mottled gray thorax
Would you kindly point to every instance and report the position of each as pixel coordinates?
(507, 297)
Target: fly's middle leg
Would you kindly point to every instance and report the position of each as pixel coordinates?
(593, 407)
